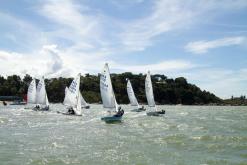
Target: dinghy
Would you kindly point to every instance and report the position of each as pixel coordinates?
(150, 97)
(41, 97)
(108, 98)
(31, 94)
(72, 98)
(132, 98)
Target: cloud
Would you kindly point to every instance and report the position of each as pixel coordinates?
(47, 61)
(55, 65)
(82, 30)
(19, 34)
(15, 63)
(91, 31)
(74, 23)
(165, 16)
(170, 16)
(161, 67)
(87, 37)
(222, 82)
(200, 47)
(53, 62)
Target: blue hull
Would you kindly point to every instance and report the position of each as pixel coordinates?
(87, 107)
(156, 113)
(40, 109)
(138, 110)
(111, 119)
(18, 103)
(68, 114)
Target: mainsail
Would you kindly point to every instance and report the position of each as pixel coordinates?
(131, 94)
(66, 100)
(106, 90)
(72, 95)
(31, 93)
(41, 95)
(149, 91)
(46, 100)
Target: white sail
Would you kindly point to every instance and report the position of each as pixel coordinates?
(66, 100)
(41, 96)
(83, 102)
(131, 95)
(72, 95)
(31, 93)
(46, 101)
(78, 110)
(116, 104)
(106, 90)
(149, 91)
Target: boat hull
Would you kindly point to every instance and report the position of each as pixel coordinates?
(112, 119)
(87, 107)
(28, 108)
(138, 110)
(21, 103)
(41, 109)
(68, 114)
(156, 113)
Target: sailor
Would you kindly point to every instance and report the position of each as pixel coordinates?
(162, 111)
(4, 103)
(37, 107)
(71, 111)
(47, 108)
(120, 112)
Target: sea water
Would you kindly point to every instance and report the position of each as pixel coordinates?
(185, 135)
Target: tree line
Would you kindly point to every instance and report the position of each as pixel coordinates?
(166, 90)
(236, 100)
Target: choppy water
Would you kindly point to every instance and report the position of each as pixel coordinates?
(190, 135)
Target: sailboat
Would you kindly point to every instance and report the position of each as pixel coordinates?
(31, 93)
(108, 97)
(150, 97)
(84, 104)
(41, 97)
(72, 98)
(132, 98)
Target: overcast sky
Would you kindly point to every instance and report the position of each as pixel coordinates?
(204, 41)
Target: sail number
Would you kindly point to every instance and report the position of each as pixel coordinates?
(39, 86)
(72, 87)
(104, 86)
(30, 88)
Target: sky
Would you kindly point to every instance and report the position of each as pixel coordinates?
(204, 41)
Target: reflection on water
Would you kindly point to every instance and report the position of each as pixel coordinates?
(185, 135)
